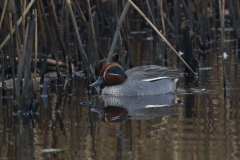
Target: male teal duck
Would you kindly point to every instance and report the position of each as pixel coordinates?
(142, 80)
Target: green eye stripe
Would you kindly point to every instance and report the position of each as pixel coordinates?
(116, 70)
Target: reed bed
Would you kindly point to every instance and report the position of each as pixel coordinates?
(70, 31)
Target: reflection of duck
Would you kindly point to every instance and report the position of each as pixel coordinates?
(144, 106)
(113, 116)
(137, 107)
(143, 80)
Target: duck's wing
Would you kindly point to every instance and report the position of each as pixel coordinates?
(153, 73)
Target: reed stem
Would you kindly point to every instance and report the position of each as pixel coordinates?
(27, 73)
(150, 12)
(18, 23)
(3, 12)
(80, 46)
(36, 51)
(57, 27)
(115, 38)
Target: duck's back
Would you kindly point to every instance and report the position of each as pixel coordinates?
(151, 72)
(145, 80)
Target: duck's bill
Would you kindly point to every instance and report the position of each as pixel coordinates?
(98, 82)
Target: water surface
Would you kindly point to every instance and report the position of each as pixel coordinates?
(199, 123)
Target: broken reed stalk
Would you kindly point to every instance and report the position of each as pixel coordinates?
(92, 36)
(166, 16)
(221, 9)
(19, 43)
(176, 20)
(161, 35)
(3, 60)
(76, 29)
(11, 49)
(57, 27)
(188, 49)
(115, 38)
(36, 51)
(19, 46)
(169, 23)
(80, 10)
(90, 19)
(186, 9)
(23, 7)
(13, 10)
(167, 26)
(52, 42)
(27, 71)
(128, 47)
(162, 19)
(61, 17)
(21, 63)
(204, 23)
(41, 22)
(69, 74)
(67, 46)
(125, 31)
(80, 46)
(3, 12)
(43, 43)
(12, 13)
(114, 23)
(43, 61)
(18, 23)
(190, 13)
(150, 11)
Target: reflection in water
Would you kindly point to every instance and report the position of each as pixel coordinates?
(113, 116)
(144, 106)
(203, 126)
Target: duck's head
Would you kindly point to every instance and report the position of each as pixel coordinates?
(111, 74)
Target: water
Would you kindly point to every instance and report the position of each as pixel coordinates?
(202, 124)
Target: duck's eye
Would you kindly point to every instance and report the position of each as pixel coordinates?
(116, 70)
(111, 71)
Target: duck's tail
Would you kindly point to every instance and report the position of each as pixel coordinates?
(176, 80)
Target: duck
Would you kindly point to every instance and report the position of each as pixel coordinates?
(138, 81)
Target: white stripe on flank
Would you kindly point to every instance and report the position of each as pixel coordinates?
(113, 74)
(154, 79)
(158, 105)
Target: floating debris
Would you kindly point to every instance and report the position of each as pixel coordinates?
(52, 150)
(225, 55)
(181, 53)
(138, 32)
(56, 111)
(205, 68)
(79, 74)
(86, 103)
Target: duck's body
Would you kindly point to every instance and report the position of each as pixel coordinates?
(139, 88)
(143, 80)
